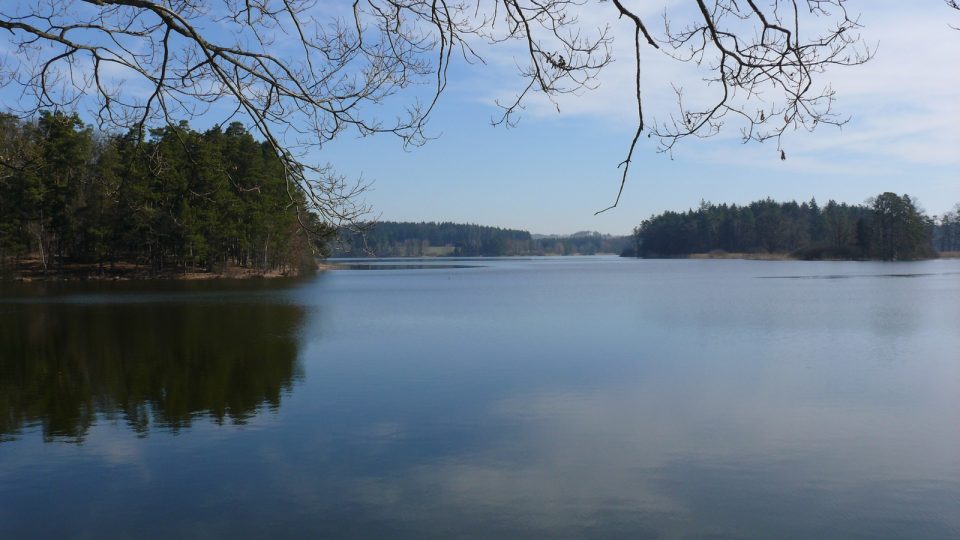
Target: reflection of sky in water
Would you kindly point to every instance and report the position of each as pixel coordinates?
(570, 398)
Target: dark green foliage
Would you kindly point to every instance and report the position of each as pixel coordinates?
(581, 243)
(393, 239)
(900, 230)
(405, 239)
(946, 236)
(175, 200)
(890, 228)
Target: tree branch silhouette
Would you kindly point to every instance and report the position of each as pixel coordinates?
(303, 72)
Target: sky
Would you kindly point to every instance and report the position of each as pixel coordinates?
(555, 169)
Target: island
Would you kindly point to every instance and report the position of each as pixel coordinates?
(886, 227)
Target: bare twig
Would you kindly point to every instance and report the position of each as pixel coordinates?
(300, 73)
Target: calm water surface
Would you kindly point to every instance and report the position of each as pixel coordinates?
(586, 397)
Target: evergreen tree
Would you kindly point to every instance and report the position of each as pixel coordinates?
(174, 200)
(891, 227)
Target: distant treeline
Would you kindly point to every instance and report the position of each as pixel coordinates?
(173, 198)
(946, 235)
(888, 227)
(405, 239)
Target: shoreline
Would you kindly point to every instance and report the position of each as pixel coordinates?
(789, 257)
(129, 272)
(744, 256)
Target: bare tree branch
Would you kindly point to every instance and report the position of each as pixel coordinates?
(764, 71)
(302, 72)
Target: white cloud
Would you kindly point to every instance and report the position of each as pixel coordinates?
(903, 103)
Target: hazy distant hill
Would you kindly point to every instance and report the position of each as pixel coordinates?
(431, 239)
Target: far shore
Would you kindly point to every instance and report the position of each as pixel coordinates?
(32, 271)
(745, 256)
(714, 255)
(131, 272)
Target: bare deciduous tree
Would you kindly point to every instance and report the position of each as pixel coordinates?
(301, 72)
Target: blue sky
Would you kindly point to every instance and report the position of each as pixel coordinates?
(554, 170)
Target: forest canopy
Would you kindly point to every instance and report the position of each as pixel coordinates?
(406, 239)
(888, 227)
(175, 199)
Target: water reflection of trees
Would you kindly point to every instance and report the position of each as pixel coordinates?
(161, 365)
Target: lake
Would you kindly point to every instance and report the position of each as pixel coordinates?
(479, 398)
